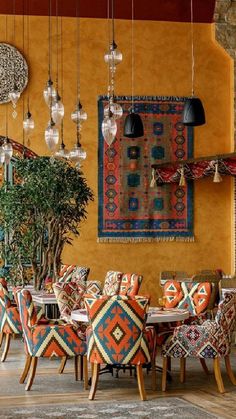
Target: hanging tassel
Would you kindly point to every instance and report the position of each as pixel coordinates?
(153, 180)
(182, 178)
(217, 178)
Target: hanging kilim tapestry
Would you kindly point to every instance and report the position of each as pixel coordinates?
(129, 210)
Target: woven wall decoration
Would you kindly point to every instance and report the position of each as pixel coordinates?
(129, 210)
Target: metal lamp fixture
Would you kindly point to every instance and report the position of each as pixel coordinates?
(133, 126)
(193, 114)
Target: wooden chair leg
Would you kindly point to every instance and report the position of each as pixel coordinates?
(164, 373)
(76, 361)
(85, 368)
(154, 375)
(218, 377)
(182, 369)
(6, 347)
(204, 366)
(26, 369)
(63, 364)
(229, 370)
(1, 338)
(30, 381)
(81, 368)
(141, 387)
(96, 368)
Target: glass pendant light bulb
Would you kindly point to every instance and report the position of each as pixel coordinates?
(28, 123)
(113, 56)
(79, 115)
(8, 150)
(2, 156)
(114, 108)
(62, 152)
(49, 93)
(51, 136)
(58, 110)
(77, 153)
(109, 129)
(14, 95)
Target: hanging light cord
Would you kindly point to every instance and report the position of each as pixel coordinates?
(78, 49)
(132, 56)
(109, 43)
(57, 87)
(192, 45)
(23, 101)
(62, 87)
(6, 109)
(14, 35)
(113, 23)
(28, 50)
(49, 40)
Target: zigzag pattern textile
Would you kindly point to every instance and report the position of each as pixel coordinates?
(117, 334)
(9, 314)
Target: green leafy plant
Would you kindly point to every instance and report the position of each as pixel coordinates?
(41, 213)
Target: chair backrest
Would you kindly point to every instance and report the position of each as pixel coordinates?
(69, 297)
(5, 299)
(226, 314)
(117, 325)
(73, 273)
(119, 283)
(28, 316)
(196, 297)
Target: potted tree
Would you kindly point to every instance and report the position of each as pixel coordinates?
(40, 213)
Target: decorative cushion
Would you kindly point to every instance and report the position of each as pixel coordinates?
(69, 297)
(130, 284)
(112, 283)
(173, 293)
(73, 273)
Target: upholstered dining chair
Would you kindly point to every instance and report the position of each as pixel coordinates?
(9, 318)
(73, 273)
(122, 283)
(117, 335)
(211, 340)
(54, 338)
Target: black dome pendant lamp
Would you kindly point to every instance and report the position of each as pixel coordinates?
(193, 114)
(133, 126)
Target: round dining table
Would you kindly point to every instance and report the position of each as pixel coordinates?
(154, 315)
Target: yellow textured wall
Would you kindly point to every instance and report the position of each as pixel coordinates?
(162, 67)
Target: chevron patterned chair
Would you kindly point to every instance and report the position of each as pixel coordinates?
(9, 318)
(211, 340)
(117, 335)
(55, 338)
(122, 283)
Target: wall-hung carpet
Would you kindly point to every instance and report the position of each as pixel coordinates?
(129, 209)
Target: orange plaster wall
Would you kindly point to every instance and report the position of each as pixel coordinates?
(162, 67)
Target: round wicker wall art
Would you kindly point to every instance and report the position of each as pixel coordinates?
(13, 70)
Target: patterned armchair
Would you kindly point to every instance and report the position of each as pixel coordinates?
(9, 318)
(121, 283)
(212, 340)
(73, 273)
(117, 335)
(55, 338)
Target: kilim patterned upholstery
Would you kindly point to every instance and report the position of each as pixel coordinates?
(117, 333)
(73, 273)
(212, 339)
(122, 283)
(9, 317)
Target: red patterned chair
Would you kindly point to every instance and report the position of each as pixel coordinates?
(9, 318)
(117, 335)
(212, 340)
(73, 273)
(55, 338)
(121, 283)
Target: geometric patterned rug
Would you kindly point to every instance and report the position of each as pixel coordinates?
(163, 407)
(129, 210)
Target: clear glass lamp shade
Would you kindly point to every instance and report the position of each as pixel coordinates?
(58, 112)
(28, 123)
(79, 115)
(51, 136)
(2, 156)
(62, 152)
(14, 96)
(8, 150)
(113, 57)
(77, 153)
(109, 129)
(49, 94)
(115, 109)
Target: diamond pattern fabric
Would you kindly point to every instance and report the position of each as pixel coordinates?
(117, 334)
(73, 273)
(9, 314)
(122, 283)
